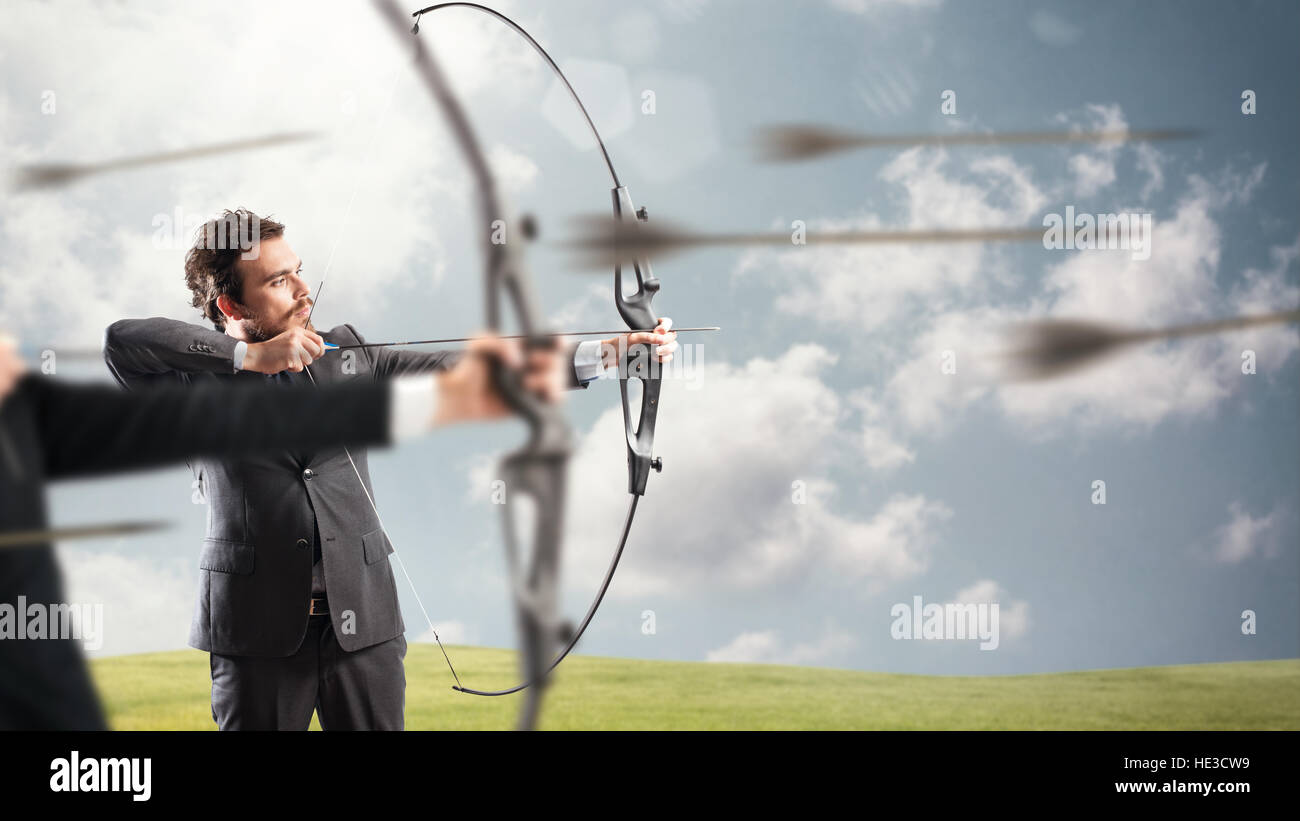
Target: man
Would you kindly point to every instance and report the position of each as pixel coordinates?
(298, 605)
(52, 430)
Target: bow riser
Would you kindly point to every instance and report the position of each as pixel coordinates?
(638, 363)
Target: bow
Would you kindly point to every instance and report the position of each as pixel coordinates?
(538, 469)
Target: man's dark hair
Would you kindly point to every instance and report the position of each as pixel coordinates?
(211, 264)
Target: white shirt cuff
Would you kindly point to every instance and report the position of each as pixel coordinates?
(586, 360)
(411, 405)
(241, 348)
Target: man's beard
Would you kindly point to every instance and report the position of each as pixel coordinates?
(259, 329)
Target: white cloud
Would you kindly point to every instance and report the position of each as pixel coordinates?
(1266, 291)
(1013, 616)
(514, 172)
(1053, 29)
(1151, 162)
(882, 450)
(1091, 173)
(872, 6)
(1150, 383)
(147, 604)
(1187, 377)
(919, 394)
(870, 287)
(995, 191)
(738, 455)
(451, 632)
(1245, 536)
(910, 305)
(363, 198)
(1094, 166)
(767, 647)
(879, 446)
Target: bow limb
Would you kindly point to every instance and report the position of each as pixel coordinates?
(537, 471)
(638, 363)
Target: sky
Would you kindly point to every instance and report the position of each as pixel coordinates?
(822, 466)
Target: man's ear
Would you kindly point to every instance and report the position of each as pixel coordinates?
(230, 308)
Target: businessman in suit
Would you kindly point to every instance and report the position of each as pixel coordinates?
(298, 605)
(51, 430)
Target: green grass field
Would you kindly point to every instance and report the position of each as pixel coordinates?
(171, 691)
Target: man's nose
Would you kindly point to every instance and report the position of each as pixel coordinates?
(300, 288)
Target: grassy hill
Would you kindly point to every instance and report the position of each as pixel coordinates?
(172, 691)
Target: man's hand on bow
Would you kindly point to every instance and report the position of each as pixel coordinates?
(467, 393)
(663, 342)
(12, 366)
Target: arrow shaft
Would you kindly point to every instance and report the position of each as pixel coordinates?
(814, 237)
(1211, 326)
(32, 538)
(513, 336)
(868, 141)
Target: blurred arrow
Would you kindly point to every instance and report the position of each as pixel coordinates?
(604, 241)
(32, 538)
(1055, 346)
(795, 143)
(50, 175)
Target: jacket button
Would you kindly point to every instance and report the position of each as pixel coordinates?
(304, 543)
(308, 475)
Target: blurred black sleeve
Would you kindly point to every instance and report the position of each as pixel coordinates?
(90, 429)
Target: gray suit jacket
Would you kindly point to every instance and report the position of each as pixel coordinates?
(267, 513)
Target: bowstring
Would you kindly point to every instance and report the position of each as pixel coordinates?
(338, 237)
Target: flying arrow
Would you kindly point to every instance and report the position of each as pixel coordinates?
(32, 538)
(605, 241)
(51, 175)
(795, 143)
(1055, 346)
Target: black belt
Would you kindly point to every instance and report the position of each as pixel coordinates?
(319, 607)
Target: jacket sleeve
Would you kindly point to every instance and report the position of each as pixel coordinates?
(92, 429)
(392, 362)
(141, 350)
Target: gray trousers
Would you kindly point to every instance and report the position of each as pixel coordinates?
(362, 690)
